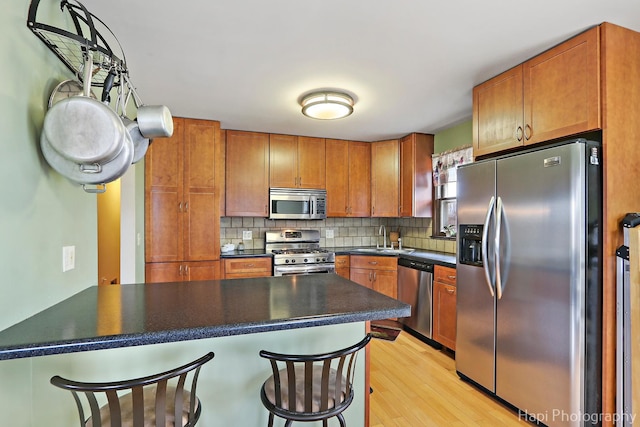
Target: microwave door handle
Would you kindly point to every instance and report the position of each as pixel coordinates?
(311, 207)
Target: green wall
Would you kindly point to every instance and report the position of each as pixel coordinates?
(454, 137)
(41, 211)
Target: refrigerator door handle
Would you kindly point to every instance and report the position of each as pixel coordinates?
(485, 257)
(499, 216)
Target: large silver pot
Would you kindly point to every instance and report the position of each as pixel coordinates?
(82, 129)
(89, 173)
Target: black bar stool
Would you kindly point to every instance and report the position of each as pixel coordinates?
(154, 401)
(310, 387)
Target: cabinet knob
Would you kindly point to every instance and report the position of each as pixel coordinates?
(451, 291)
(452, 277)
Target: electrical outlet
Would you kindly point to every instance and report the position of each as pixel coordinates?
(329, 234)
(247, 235)
(68, 258)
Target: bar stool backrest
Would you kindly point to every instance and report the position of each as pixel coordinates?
(159, 400)
(310, 387)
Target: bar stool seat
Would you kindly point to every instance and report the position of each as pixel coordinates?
(310, 387)
(153, 401)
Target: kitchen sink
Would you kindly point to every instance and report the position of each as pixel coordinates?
(384, 251)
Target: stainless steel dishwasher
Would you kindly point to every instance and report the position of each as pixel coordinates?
(415, 287)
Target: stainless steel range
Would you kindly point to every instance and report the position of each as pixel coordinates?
(298, 252)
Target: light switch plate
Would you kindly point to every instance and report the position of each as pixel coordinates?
(68, 258)
(247, 235)
(329, 234)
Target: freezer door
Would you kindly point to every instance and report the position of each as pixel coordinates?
(475, 307)
(540, 315)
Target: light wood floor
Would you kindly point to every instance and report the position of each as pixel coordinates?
(415, 385)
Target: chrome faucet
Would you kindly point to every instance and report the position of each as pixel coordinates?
(381, 230)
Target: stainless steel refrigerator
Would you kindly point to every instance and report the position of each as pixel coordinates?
(529, 281)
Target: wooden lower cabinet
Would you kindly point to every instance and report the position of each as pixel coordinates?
(379, 273)
(342, 266)
(157, 272)
(444, 306)
(241, 268)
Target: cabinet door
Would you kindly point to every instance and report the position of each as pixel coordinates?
(362, 277)
(416, 188)
(337, 177)
(158, 272)
(342, 266)
(203, 270)
(359, 179)
(562, 89)
(247, 174)
(386, 282)
(385, 178)
(200, 210)
(311, 162)
(164, 167)
(283, 161)
(444, 314)
(497, 113)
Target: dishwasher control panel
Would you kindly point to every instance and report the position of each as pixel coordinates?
(416, 265)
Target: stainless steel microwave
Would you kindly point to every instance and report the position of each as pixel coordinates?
(296, 203)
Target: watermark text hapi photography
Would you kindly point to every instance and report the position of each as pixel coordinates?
(560, 415)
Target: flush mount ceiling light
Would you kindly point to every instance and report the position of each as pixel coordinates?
(327, 105)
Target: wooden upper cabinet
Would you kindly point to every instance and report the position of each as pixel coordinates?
(311, 162)
(553, 95)
(416, 181)
(497, 113)
(296, 161)
(348, 178)
(283, 161)
(562, 89)
(181, 198)
(247, 174)
(359, 179)
(385, 178)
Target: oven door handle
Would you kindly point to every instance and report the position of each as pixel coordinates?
(304, 269)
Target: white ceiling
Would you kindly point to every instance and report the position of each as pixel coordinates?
(410, 64)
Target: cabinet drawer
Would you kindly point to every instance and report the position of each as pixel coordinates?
(342, 261)
(248, 266)
(444, 274)
(374, 262)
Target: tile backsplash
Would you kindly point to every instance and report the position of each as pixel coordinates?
(347, 232)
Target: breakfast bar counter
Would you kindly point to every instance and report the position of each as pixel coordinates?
(114, 316)
(113, 332)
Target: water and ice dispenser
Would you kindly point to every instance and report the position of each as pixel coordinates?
(470, 250)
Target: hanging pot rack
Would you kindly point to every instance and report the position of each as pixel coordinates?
(72, 47)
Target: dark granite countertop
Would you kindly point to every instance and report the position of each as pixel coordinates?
(113, 316)
(245, 253)
(441, 258)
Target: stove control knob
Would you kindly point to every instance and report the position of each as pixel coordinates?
(306, 260)
(293, 261)
(286, 261)
(317, 259)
